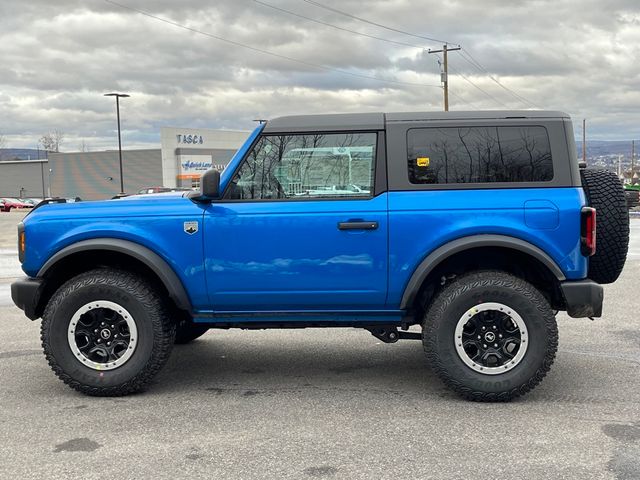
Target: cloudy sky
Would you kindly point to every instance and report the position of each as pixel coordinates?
(57, 58)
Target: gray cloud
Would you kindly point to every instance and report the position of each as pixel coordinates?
(58, 58)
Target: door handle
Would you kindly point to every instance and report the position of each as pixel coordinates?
(358, 225)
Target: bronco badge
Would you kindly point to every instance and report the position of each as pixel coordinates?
(191, 227)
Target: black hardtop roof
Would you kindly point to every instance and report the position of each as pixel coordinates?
(377, 120)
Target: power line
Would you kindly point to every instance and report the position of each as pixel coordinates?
(457, 72)
(462, 99)
(370, 22)
(267, 52)
(337, 27)
(471, 60)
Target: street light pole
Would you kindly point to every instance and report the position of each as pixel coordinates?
(118, 96)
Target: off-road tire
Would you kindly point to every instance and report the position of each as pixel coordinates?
(187, 331)
(472, 289)
(604, 192)
(155, 332)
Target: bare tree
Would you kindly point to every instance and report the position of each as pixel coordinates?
(51, 141)
(83, 147)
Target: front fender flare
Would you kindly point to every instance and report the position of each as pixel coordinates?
(443, 252)
(157, 264)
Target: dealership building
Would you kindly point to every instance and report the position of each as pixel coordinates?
(184, 155)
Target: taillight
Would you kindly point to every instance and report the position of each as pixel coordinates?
(588, 231)
(22, 242)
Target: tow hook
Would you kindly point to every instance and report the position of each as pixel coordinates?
(392, 335)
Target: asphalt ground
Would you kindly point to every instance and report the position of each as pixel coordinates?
(325, 403)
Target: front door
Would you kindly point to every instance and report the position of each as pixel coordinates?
(299, 228)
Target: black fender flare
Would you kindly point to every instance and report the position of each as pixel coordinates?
(157, 264)
(443, 252)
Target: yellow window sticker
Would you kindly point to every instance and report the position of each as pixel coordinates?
(423, 161)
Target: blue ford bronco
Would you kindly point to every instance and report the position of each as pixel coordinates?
(476, 227)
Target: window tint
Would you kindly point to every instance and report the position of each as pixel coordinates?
(307, 166)
(479, 155)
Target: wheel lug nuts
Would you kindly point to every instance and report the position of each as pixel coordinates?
(99, 341)
(113, 326)
(115, 336)
(484, 328)
(495, 328)
(484, 345)
(102, 324)
(95, 331)
(499, 335)
(479, 337)
(495, 345)
(108, 343)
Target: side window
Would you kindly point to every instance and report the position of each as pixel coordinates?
(332, 165)
(479, 155)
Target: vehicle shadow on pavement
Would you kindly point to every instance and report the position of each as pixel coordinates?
(249, 362)
(271, 363)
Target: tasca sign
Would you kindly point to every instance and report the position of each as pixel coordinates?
(189, 139)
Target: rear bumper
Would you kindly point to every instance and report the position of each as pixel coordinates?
(25, 293)
(583, 298)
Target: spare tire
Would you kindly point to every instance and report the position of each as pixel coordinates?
(604, 192)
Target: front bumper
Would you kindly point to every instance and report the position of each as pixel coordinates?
(25, 293)
(583, 298)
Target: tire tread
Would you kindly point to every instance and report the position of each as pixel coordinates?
(605, 193)
(464, 283)
(164, 329)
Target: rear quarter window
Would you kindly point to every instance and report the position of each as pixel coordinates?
(462, 155)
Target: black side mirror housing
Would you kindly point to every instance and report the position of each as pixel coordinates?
(209, 187)
(210, 184)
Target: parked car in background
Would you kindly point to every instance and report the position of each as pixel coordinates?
(632, 195)
(336, 191)
(163, 189)
(32, 201)
(10, 203)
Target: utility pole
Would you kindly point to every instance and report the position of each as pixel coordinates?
(444, 76)
(620, 172)
(633, 156)
(584, 140)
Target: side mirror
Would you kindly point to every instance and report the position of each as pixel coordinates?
(209, 186)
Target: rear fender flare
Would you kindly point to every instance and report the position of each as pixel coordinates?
(445, 251)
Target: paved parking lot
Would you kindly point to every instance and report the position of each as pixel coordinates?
(332, 403)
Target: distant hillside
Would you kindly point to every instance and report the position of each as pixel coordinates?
(601, 148)
(21, 154)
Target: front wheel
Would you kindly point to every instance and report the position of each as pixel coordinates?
(106, 333)
(490, 336)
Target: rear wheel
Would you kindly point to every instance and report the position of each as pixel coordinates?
(106, 333)
(490, 336)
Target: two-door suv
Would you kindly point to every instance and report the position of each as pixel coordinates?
(477, 227)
